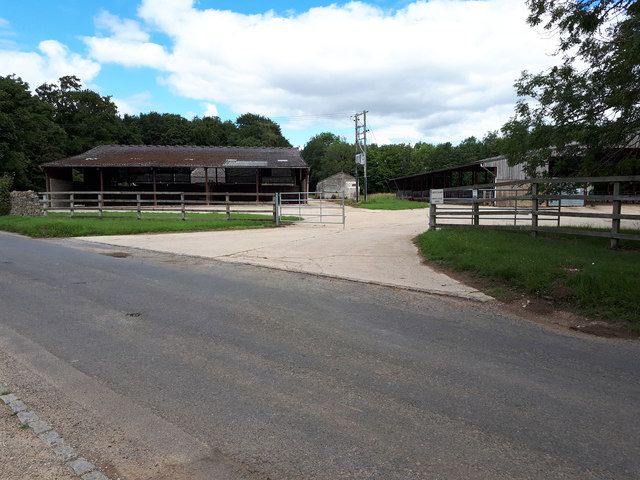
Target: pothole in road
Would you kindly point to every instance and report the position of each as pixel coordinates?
(116, 254)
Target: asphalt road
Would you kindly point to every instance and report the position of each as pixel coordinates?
(293, 376)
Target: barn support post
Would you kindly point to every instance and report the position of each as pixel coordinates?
(206, 185)
(155, 199)
(257, 185)
(101, 189)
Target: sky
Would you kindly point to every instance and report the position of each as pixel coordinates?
(425, 71)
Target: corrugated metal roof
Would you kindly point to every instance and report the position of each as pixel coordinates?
(183, 156)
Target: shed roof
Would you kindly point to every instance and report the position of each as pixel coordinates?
(184, 156)
(477, 166)
(342, 177)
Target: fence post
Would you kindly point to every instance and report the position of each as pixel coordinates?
(71, 204)
(226, 199)
(276, 218)
(182, 204)
(46, 206)
(534, 209)
(432, 216)
(100, 204)
(138, 206)
(617, 210)
(475, 207)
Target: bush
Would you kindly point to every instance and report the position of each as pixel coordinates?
(6, 181)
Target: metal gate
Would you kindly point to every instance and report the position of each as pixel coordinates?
(309, 207)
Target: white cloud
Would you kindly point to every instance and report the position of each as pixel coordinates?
(54, 60)
(437, 70)
(128, 44)
(210, 110)
(133, 104)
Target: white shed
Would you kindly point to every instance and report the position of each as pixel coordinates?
(337, 185)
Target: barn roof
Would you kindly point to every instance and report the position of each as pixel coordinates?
(184, 156)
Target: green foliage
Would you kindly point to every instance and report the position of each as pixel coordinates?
(87, 118)
(258, 131)
(603, 283)
(65, 119)
(581, 112)
(323, 164)
(28, 134)
(6, 181)
(327, 154)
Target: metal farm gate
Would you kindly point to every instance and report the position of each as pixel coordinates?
(309, 207)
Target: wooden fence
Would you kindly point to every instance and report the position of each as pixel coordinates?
(527, 204)
(185, 205)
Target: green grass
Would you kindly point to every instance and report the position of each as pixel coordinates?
(388, 201)
(603, 283)
(63, 226)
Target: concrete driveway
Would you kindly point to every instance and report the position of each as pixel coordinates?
(375, 246)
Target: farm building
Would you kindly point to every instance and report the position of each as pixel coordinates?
(250, 170)
(489, 170)
(336, 186)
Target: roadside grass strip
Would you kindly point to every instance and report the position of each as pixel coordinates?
(388, 201)
(580, 274)
(64, 226)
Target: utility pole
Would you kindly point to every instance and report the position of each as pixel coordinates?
(361, 151)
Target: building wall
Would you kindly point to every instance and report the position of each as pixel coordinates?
(337, 185)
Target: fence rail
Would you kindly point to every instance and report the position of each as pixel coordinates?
(310, 207)
(526, 204)
(186, 205)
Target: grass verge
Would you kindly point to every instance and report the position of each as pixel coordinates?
(576, 273)
(388, 201)
(63, 226)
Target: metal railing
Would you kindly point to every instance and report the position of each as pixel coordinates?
(307, 207)
(524, 205)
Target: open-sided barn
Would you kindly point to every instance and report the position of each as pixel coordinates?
(251, 170)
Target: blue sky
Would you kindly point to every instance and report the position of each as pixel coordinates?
(434, 71)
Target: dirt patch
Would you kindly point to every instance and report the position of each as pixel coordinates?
(116, 254)
(548, 311)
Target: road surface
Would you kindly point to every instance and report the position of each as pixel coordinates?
(221, 370)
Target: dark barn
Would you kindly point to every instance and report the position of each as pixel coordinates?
(122, 168)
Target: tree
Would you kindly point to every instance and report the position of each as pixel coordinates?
(28, 134)
(583, 110)
(88, 118)
(258, 131)
(385, 162)
(212, 131)
(314, 154)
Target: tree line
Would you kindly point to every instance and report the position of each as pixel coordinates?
(327, 154)
(581, 117)
(64, 119)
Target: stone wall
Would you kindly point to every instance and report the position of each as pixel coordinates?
(25, 204)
